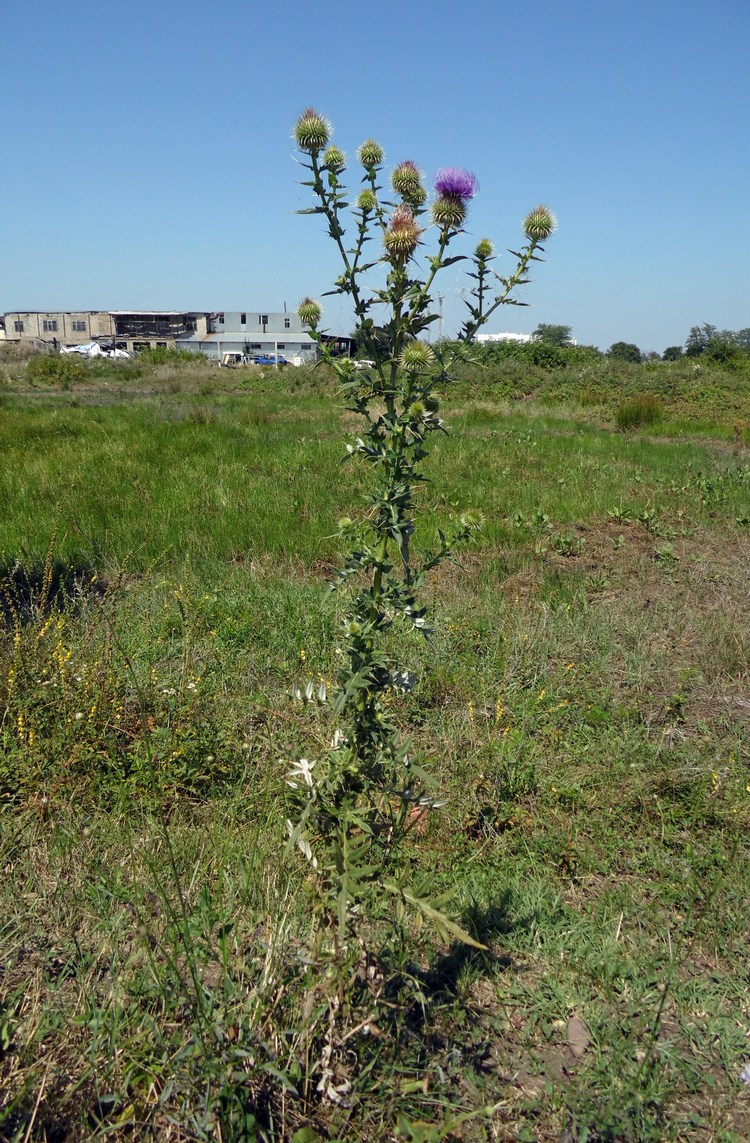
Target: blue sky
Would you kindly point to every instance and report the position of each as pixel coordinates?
(148, 162)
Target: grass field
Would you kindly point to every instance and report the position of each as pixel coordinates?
(166, 541)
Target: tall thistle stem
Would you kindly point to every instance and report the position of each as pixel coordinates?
(355, 803)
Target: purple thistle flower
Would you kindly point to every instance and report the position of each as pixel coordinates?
(454, 182)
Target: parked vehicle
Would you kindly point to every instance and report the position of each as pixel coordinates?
(365, 363)
(270, 359)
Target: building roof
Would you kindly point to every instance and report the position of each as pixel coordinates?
(240, 335)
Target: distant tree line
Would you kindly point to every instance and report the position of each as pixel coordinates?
(727, 347)
(553, 347)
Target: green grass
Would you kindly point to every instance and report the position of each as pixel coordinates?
(583, 707)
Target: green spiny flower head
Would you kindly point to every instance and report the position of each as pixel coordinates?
(366, 201)
(417, 357)
(484, 249)
(334, 159)
(539, 223)
(472, 519)
(370, 154)
(449, 211)
(309, 312)
(312, 131)
(402, 235)
(407, 181)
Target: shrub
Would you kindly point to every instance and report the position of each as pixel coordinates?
(643, 409)
(55, 370)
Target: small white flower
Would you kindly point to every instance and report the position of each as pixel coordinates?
(745, 1074)
(302, 769)
(78, 716)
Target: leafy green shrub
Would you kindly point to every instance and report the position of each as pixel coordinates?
(643, 409)
(55, 370)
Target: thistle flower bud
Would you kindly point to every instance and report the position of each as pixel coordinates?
(407, 181)
(417, 357)
(472, 519)
(309, 312)
(484, 249)
(449, 210)
(334, 159)
(312, 131)
(401, 237)
(366, 201)
(539, 223)
(370, 154)
(454, 188)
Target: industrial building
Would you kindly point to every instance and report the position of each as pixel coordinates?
(212, 334)
(251, 334)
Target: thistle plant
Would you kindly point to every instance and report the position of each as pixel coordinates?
(355, 803)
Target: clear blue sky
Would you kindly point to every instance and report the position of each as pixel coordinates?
(147, 156)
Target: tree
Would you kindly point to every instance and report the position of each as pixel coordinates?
(699, 339)
(722, 346)
(672, 353)
(625, 351)
(553, 334)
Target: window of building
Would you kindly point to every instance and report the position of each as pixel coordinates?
(255, 345)
(262, 319)
(79, 327)
(18, 327)
(243, 319)
(49, 325)
(220, 318)
(280, 345)
(287, 323)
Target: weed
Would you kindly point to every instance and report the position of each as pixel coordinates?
(55, 370)
(644, 409)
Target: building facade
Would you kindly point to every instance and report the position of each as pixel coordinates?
(485, 338)
(251, 333)
(58, 328)
(135, 330)
(212, 334)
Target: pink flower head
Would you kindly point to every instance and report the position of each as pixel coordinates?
(453, 182)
